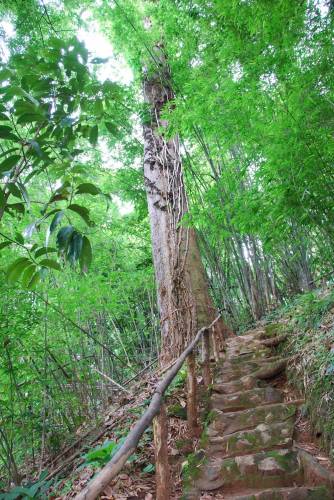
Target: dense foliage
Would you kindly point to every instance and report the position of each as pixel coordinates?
(253, 85)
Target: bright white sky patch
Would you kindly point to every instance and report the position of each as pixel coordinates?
(99, 46)
(124, 207)
(6, 27)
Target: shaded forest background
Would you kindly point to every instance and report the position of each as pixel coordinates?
(254, 102)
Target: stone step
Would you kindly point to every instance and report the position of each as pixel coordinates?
(228, 423)
(255, 379)
(267, 469)
(263, 437)
(244, 383)
(246, 399)
(235, 358)
(294, 493)
(229, 371)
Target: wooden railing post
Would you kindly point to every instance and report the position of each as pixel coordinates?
(192, 396)
(206, 372)
(162, 473)
(215, 344)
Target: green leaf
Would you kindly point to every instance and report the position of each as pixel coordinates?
(5, 244)
(2, 199)
(63, 237)
(74, 248)
(99, 60)
(7, 133)
(111, 127)
(17, 207)
(27, 275)
(56, 220)
(15, 270)
(14, 90)
(30, 118)
(88, 188)
(52, 264)
(19, 238)
(30, 229)
(36, 147)
(149, 468)
(98, 107)
(93, 135)
(24, 193)
(83, 212)
(85, 255)
(9, 163)
(34, 280)
(5, 74)
(7, 151)
(14, 190)
(44, 250)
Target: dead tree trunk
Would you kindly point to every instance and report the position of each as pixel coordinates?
(183, 295)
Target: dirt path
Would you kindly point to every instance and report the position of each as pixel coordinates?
(250, 451)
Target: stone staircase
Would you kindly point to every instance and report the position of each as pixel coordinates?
(249, 451)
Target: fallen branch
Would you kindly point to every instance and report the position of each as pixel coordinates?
(113, 381)
(109, 471)
(141, 372)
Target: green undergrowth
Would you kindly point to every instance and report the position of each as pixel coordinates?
(309, 322)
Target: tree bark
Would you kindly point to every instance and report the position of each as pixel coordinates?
(183, 295)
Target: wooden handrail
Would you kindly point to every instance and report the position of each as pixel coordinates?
(114, 466)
